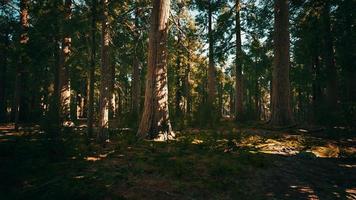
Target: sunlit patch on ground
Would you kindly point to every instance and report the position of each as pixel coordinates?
(306, 190)
(99, 157)
(197, 141)
(205, 164)
(328, 151)
(351, 193)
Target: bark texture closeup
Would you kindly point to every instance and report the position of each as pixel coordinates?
(155, 122)
(281, 109)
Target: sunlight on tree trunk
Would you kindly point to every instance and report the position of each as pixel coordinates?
(105, 78)
(155, 120)
(64, 82)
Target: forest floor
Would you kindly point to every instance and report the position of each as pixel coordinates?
(230, 162)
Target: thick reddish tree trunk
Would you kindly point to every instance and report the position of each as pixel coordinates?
(281, 108)
(155, 120)
(24, 38)
(64, 83)
(239, 111)
(105, 78)
(329, 60)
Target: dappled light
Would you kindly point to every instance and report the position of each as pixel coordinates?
(271, 164)
(177, 99)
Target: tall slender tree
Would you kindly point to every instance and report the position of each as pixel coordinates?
(4, 45)
(239, 79)
(105, 78)
(90, 117)
(211, 67)
(136, 72)
(329, 58)
(281, 109)
(64, 82)
(24, 38)
(155, 119)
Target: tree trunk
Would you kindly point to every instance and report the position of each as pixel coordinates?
(188, 88)
(90, 117)
(316, 90)
(136, 76)
(239, 111)
(3, 70)
(281, 108)
(20, 67)
(136, 88)
(105, 77)
(329, 60)
(64, 83)
(211, 67)
(155, 119)
(178, 95)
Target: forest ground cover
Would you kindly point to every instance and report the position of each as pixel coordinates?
(228, 162)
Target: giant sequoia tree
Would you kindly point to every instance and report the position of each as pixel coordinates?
(64, 82)
(155, 118)
(19, 85)
(280, 103)
(105, 78)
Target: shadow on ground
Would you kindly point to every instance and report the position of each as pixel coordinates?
(229, 163)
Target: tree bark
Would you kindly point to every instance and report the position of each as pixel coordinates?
(3, 81)
(155, 119)
(24, 38)
(136, 74)
(64, 83)
(105, 78)
(329, 60)
(178, 95)
(239, 111)
(90, 117)
(187, 89)
(281, 109)
(211, 67)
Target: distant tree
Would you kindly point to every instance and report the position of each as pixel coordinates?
(155, 119)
